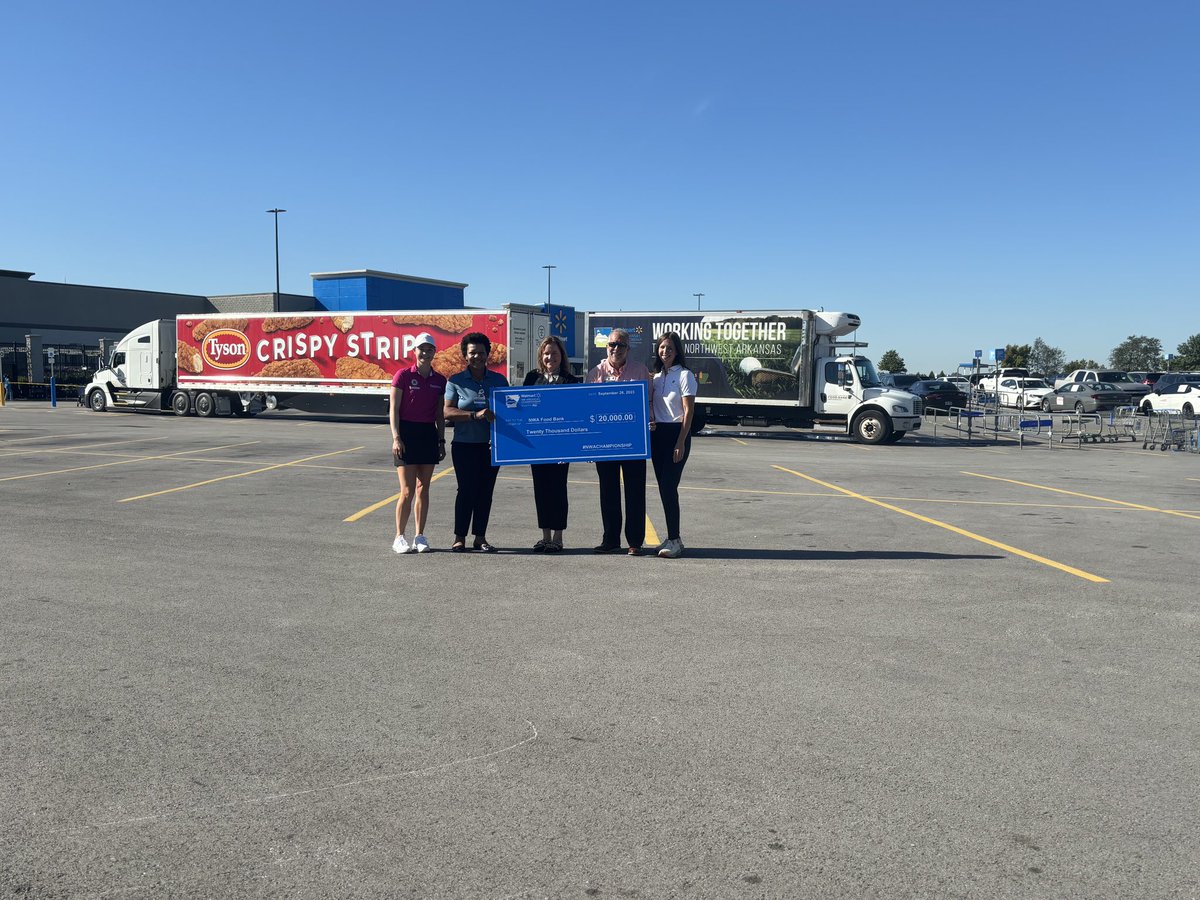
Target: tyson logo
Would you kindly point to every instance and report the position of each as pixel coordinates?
(225, 348)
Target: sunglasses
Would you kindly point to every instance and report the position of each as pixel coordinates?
(613, 345)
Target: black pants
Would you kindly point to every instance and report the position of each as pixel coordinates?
(668, 472)
(550, 495)
(610, 474)
(476, 482)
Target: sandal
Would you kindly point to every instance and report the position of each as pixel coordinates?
(542, 546)
(554, 546)
(484, 547)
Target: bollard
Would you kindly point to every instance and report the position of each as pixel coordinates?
(53, 396)
(3, 391)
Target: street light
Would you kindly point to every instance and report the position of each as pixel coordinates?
(697, 296)
(276, 212)
(548, 268)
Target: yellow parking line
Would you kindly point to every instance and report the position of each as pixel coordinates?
(1042, 487)
(185, 487)
(743, 443)
(390, 500)
(1070, 570)
(651, 535)
(121, 462)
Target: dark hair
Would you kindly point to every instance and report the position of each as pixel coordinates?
(564, 368)
(673, 337)
(475, 337)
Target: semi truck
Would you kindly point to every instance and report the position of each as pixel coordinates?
(793, 368)
(224, 364)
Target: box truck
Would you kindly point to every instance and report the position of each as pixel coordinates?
(772, 368)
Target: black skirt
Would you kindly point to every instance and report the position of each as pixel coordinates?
(420, 444)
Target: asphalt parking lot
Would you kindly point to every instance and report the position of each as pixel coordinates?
(926, 669)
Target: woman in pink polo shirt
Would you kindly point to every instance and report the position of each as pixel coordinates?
(418, 439)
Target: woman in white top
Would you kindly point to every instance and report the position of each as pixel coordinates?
(673, 397)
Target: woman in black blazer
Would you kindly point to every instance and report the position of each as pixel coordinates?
(550, 479)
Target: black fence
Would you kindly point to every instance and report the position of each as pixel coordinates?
(24, 390)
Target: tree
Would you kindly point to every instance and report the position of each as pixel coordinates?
(1016, 356)
(1080, 364)
(891, 362)
(1136, 352)
(1187, 355)
(1046, 359)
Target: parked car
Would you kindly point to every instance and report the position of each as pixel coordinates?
(962, 382)
(1022, 393)
(1148, 378)
(1184, 397)
(1169, 378)
(940, 395)
(901, 380)
(1085, 397)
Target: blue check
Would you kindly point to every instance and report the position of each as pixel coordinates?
(570, 423)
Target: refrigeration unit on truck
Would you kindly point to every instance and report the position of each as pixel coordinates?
(234, 365)
(772, 368)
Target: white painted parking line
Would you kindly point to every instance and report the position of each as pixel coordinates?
(120, 462)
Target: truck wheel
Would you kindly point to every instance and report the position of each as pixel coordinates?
(205, 405)
(181, 403)
(699, 420)
(96, 401)
(871, 427)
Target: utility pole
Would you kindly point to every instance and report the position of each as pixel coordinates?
(548, 268)
(697, 296)
(275, 305)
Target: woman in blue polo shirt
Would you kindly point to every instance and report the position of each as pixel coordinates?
(468, 406)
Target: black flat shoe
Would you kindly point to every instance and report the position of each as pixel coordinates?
(485, 547)
(607, 548)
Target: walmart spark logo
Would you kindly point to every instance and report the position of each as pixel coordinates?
(559, 322)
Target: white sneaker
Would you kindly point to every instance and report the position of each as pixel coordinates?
(420, 544)
(400, 544)
(671, 549)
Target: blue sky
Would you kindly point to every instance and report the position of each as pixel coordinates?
(961, 174)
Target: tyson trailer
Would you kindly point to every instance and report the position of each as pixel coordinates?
(229, 365)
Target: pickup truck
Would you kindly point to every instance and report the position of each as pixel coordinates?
(1112, 376)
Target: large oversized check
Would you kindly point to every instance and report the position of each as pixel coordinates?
(570, 423)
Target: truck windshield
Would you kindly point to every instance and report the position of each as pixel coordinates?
(867, 375)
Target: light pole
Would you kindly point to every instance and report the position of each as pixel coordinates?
(697, 296)
(548, 268)
(276, 212)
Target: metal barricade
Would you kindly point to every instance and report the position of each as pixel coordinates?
(1080, 428)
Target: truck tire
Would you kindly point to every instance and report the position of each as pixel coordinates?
(699, 420)
(871, 427)
(205, 404)
(181, 403)
(96, 401)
